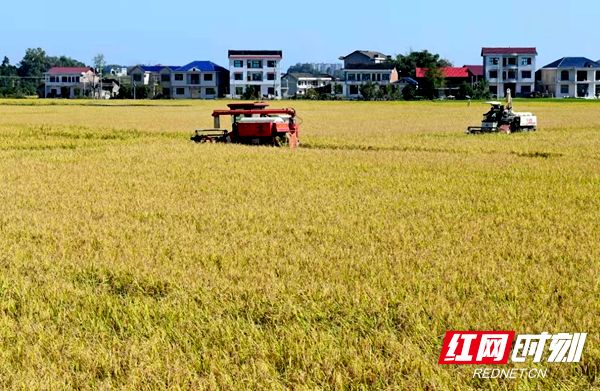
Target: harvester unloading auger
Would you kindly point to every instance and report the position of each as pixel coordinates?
(503, 119)
(253, 123)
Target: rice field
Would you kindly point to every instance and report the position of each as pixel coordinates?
(133, 258)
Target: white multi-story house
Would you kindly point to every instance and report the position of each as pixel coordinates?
(364, 57)
(153, 75)
(299, 83)
(573, 77)
(258, 68)
(357, 74)
(363, 66)
(145, 75)
(70, 82)
(510, 68)
(117, 72)
(199, 80)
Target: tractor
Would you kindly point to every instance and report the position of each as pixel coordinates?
(253, 124)
(503, 119)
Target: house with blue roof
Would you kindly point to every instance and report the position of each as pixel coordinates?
(573, 77)
(199, 80)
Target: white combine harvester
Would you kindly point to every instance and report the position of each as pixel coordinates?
(503, 119)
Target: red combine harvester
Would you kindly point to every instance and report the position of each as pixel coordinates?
(254, 124)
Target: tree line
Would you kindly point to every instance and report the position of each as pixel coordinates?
(25, 77)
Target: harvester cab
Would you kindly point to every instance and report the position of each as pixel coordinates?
(502, 118)
(253, 123)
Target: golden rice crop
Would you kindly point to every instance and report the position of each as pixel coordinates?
(133, 258)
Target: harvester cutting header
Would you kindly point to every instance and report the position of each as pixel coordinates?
(254, 124)
(502, 118)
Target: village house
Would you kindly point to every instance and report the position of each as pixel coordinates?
(298, 83)
(199, 80)
(455, 76)
(362, 66)
(571, 77)
(258, 68)
(70, 82)
(510, 68)
(153, 75)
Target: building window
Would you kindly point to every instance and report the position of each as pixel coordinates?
(271, 64)
(597, 90)
(77, 79)
(270, 76)
(525, 89)
(238, 76)
(255, 64)
(353, 90)
(494, 60)
(564, 88)
(52, 79)
(208, 77)
(512, 74)
(526, 61)
(64, 79)
(137, 77)
(365, 77)
(238, 63)
(493, 74)
(526, 75)
(351, 77)
(494, 90)
(597, 75)
(271, 91)
(582, 75)
(179, 76)
(179, 91)
(255, 77)
(165, 77)
(385, 77)
(564, 75)
(210, 91)
(239, 90)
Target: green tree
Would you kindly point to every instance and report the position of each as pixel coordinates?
(250, 93)
(407, 64)
(368, 90)
(409, 92)
(434, 79)
(465, 91)
(99, 62)
(311, 94)
(338, 89)
(7, 74)
(482, 90)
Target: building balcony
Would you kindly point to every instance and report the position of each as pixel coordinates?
(65, 84)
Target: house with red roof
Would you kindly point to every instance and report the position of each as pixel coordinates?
(455, 76)
(509, 68)
(70, 82)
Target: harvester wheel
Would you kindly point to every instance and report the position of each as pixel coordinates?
(281, 139)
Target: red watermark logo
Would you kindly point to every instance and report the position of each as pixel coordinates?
(476, 347)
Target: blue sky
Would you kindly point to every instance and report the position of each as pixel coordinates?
(152, 32)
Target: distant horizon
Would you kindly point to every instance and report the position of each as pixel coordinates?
(455, 33)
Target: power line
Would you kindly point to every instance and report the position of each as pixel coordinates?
(23, 77)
